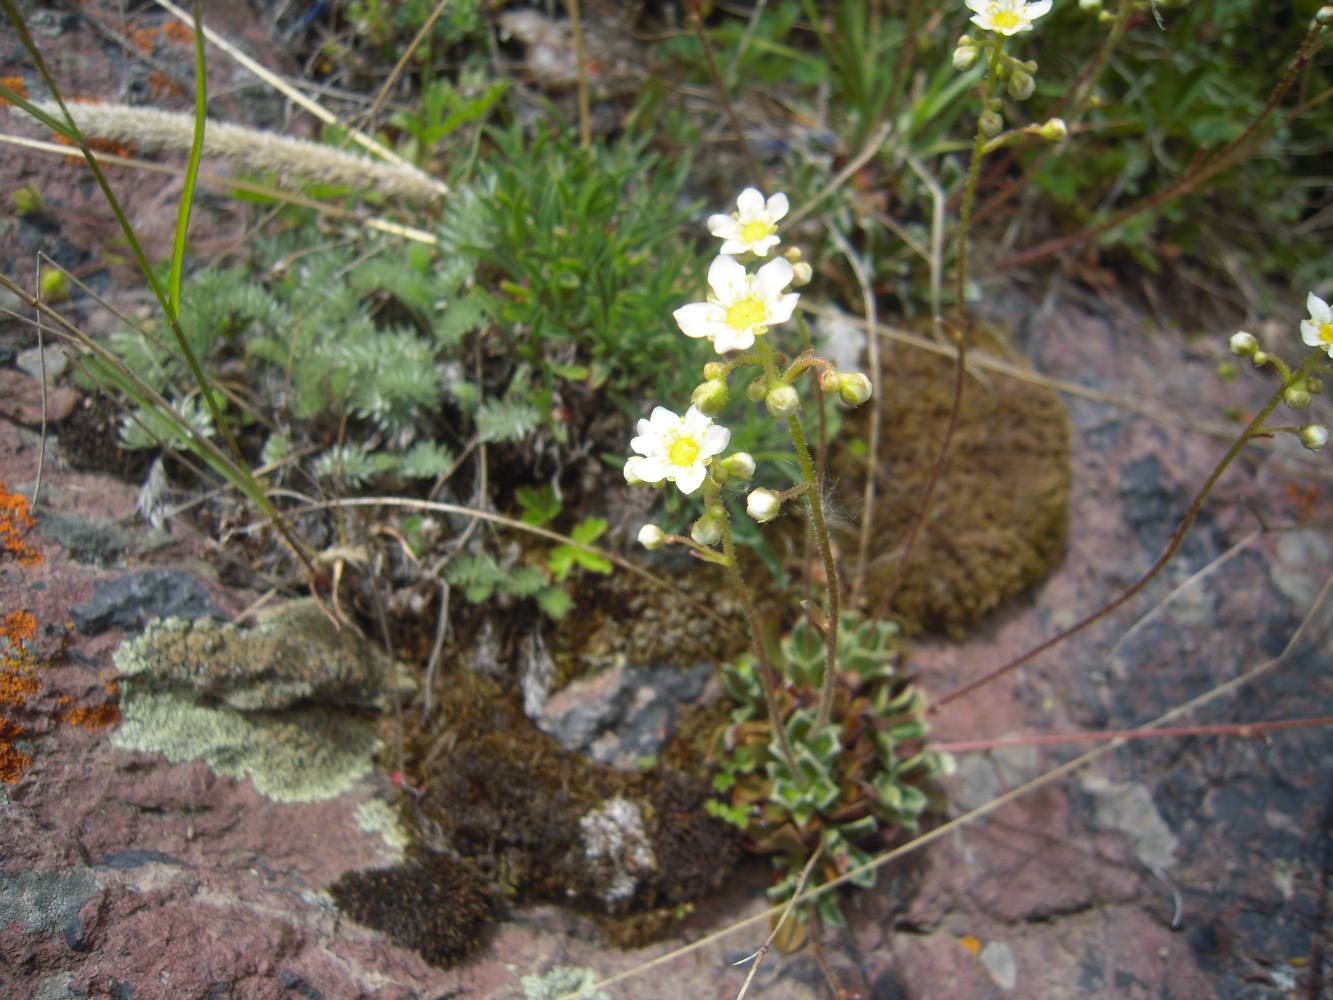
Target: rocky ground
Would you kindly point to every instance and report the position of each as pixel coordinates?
(1185, 867)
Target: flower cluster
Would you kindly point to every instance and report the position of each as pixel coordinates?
(1303, 382)
(740, 309)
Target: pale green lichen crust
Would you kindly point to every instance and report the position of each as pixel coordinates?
(298, 756)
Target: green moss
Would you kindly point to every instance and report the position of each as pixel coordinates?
(998, 515)
(298, 756)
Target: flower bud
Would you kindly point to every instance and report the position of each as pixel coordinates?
(1324, 16)
(1260, 359)
(801, 273)
(714, 369)
(631, 475)
(854, 389)
(965, 55)
(1054, 130)
(991, 124)
(793, 255)
(1090, 6)
(1021, 85)
(756, 390)
(707, 530)
(763, 505)
(739, 466)
(1105, 17)
(1243, 344)
(53, 286)
(710, 397)
(27, 201)
(651, 537)
(782, 401)
(830, 381)
(1296, 396)
(1313, 436)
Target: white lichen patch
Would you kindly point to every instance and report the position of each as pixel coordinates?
(998, 958)
(375, 817)
(1129, 808)
(614, 842)
(559, 982)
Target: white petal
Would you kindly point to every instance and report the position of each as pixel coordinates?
(979, 6)
(694, 423)
(663, 420)
(716, 438)
(723, 226)
(772, 278)
(728, 339)
(750, 202)
(690, 479)
(1319, 309)
(644, 444)
(1310, 333)
(777, 207)
(727, 279)
(697, 319)
(735, 245)
(1036, 10)
(652, 470)
(760, 248)
(644, 426)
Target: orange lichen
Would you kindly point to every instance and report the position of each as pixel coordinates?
(971, 943)
(16, 84)
(97, 717)
(13, 761)
(18, 626)
(15, 521)
(177, 32)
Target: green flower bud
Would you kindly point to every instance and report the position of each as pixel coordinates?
(739, 466)
(756, 390)
(714, 369)
(1314, 436)
(651, 537)
(707, 530)
(1324, 16)
(53, 285)
(763, 505)
(782, 401)
(27, 201)
(991, 124)
(710, 397)
(855, 388)
(801, 273)
(1090, 6)
(965, 56)
(1054, 130)
(1296, 396)
(1021, 85)
(830, 381)
(1243, 344)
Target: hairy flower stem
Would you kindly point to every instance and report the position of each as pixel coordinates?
(768, 677)
(814, 510)
(1254, 429)
(973, 171)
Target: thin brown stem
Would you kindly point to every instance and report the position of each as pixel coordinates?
(936, 471)
(1241, 729)
(581, 58)
(782, 919)
(696, 22)
(768, 677)
(1242, 145)
(1177, 540)
(973, 171)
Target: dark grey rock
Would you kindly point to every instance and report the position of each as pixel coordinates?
(129, 602)
(46, 900)
(100, 543)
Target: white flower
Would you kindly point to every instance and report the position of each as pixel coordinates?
(753, 227)
(1006, 17)
(1317, 331)
(742, 306)
(676, 449)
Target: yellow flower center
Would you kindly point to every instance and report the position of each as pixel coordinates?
(1003, 19)
(746, 313)
(753, 232)
(1326, 333)
(683, 451)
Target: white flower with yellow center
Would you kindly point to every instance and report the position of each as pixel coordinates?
(676, 449)
(742, 306)
(1006, 17)
(753, 226)
(1317, 331)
